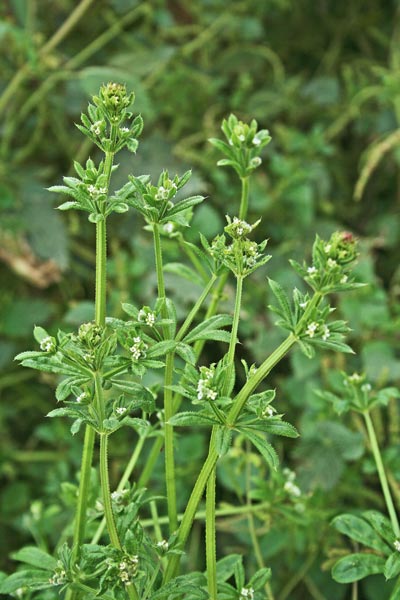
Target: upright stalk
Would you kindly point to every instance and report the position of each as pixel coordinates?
(382, 475)
(239, 402)
(244, 202)
(168, 396)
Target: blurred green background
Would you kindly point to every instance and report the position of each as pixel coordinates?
(324, 78)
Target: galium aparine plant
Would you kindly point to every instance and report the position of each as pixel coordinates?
(101, 368)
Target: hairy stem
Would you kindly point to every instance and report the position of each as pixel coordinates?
(211, 541)
(238, 405)
(244, 202)
(168, 396)
(123, 481)
(382, 475)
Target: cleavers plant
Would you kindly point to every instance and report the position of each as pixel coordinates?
(102, 371)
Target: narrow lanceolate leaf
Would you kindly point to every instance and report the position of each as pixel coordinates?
(210, 325)
(183, 205)
(359, 530)
(35, 557)
(283, 300)
(381, 524)
(264, 448)
(184, 271)
(32, 578)
(190, 418)
(186, 353)
(392, 565)
(276, 427)
(354, 567)
(223, 439)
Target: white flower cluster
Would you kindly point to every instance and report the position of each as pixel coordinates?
(205, 391)
(238, 228)
(396, 545)
(246, 593)
(119, 495)
(59, 577)
(164, 191)
(138, 348)
(128, 568)
(146, 316)
(96, 191)
(290, 487)
(312, 328)
(268, 411)
(163, 545)
(81, 397)
(97, 127)
(120, 410)
(48, 344)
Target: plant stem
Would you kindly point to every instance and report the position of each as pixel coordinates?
(234, 332)
(100, 313)
(189, 319)
(123, 481)
(211, 541)
(168, 397)
(238, 405)
(105, 486)
(382, 475)
(211, 544)
(244, 202)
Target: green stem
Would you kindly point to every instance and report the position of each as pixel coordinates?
(244, 202)
(234, 332)
(189, 319)
(124, 480)
(159, 261)
(211, 541)
(105, 486)
(168, 396)
(84, 485)
(382, 475)
(238, 405)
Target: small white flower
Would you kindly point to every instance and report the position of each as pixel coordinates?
(366, 387)
(355, 378)
(81, 397)
(312, 271)
(256, 141)
(120, 410)
(327, 248)
(331, 263)
(124, 129)
(396, 545)
(269, 411)
(47, 344)
(303, 304)
(163, 545)
(311, 329)
(326, 333)
(292, 489)
(169, 227)
(344, 279)
(246, 593)
(122, 566)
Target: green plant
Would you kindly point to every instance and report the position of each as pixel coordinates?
(108, 375)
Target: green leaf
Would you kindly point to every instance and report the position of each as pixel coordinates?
(226, 567)
(260, 578)
(381, 524)
(182, 205)
(265, 449)
(161, 349)
(223, 439)
(359, 530)
(209, 325)
(69, 205)
(392, 566)
(186, 353)
(283, 300)
(185, 272)
(40, 334)
(190, 418)
(276, 427)
(354, 567)
(33, 579)
(35, 557)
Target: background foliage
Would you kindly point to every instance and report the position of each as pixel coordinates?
(324, 78)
